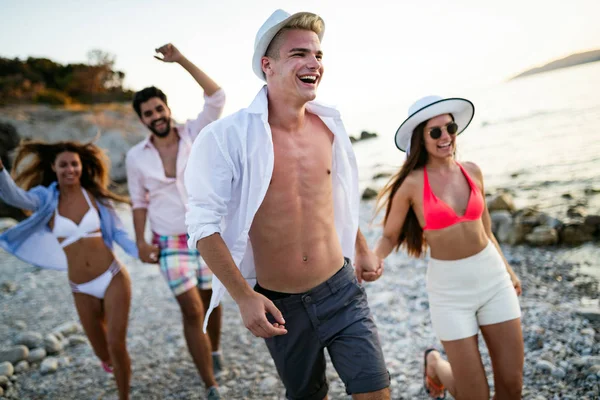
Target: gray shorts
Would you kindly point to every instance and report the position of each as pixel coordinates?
(334, 315)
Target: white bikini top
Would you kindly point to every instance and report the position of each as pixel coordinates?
(88, 227)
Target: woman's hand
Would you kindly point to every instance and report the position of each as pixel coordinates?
(516, 283)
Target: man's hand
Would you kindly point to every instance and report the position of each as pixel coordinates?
(367, 266)
(148, 252)
(1, 165)
(169, 53)
(254, 308)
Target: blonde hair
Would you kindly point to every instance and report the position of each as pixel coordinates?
(304, 21)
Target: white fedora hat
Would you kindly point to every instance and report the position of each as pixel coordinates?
(267, 32)
(431, 106)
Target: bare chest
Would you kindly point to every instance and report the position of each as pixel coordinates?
(168, 157)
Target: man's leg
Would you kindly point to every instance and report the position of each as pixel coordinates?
(214, 331)
(198, 342)
(179, 266)
(353, 341)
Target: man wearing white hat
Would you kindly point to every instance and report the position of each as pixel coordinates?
(273, 202)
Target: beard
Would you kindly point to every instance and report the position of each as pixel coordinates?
(162, 133)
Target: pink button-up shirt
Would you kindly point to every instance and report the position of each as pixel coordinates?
(165, 198)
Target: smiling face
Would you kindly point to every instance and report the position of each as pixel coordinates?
(67, 166)
(296, 70)
(445, 146)
(156, 115)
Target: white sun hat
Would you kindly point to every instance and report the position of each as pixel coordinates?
(267, 32)
(431, 106)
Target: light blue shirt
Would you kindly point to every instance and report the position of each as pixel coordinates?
(32, 241)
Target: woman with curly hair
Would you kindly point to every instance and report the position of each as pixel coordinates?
(72, 226)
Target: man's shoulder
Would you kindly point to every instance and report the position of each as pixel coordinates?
(238, 122)
(137, 148)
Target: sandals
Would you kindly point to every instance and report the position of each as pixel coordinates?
(107, 367)
(428, 382)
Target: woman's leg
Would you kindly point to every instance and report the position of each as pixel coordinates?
(91, 315)
(117, 301)
(463, 374)
(505, 344)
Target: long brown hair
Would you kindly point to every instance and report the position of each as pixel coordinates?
(38, 157)
(411, 235)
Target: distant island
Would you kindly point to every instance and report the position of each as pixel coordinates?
(569, 61)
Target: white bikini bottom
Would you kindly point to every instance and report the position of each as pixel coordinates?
(97, 286)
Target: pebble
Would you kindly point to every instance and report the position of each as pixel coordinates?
(268, 384)
(37, 355)
(49, 365)
(52, 344)
(20, 325)
(559, 373)
(6, 369)
(76, 340)
(22, 366)
(30, 339)
(4, 381)
(68, 328)
(14, 354)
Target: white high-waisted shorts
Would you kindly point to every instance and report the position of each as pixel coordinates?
(467, 293)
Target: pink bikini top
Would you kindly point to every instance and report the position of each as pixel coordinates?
(88, 227)
(439, 215)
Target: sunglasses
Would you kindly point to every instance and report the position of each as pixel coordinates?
(436, 132)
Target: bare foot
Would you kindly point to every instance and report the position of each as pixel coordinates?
(435, 386)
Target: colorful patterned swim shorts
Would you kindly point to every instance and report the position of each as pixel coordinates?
(182, 267)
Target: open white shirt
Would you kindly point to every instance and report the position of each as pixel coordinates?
(228, 174)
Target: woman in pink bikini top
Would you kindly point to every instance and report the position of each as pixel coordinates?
(434, 203)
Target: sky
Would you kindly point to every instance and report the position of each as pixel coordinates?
(379, 56)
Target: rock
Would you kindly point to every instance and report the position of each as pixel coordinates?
(4, 381)
(591, 191)
(502, 224)
(268, 384)
(18, 324)
(6, 369)
(575, 234)
(369, 194)
(592, 221)
(49, 365)
(542, 236)
(68, 328)
(414, 390)
(559, 373)
(8, 287)
(576, 212)
(567, 196)
(588, 332)
(30, 339)
(382, 175)
(594, 369)
(545, 366)
(64, 362)
(501, 202)
(37, 355)
(14, 354)
(22, 366)
(1, 392)
(77, 340)
(545, 219)
(52, 344)
(367, 135)
(7, 223)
